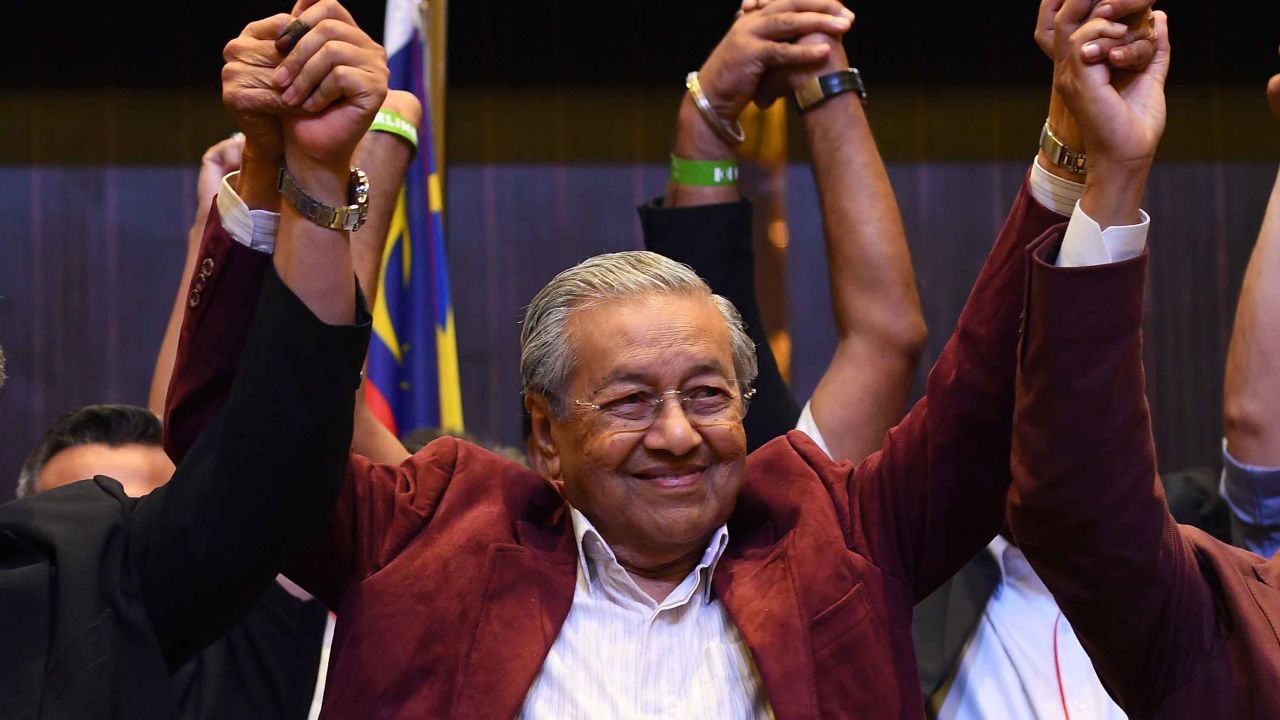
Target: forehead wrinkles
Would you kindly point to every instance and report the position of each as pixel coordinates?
(649, 333)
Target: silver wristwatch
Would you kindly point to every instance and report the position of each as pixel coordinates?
(334, 217)
(1061, 155)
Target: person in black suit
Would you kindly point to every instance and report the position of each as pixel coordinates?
(265, 667)
(101, 594)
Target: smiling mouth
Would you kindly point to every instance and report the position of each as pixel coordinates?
(674, 478)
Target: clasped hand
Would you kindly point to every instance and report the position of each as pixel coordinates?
(315, 101)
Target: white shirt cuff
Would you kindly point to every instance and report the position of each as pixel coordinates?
(1086, 243)
(255, 229)
(807, 425)
(1057, 194)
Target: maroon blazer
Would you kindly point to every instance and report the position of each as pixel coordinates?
(453, 572)
(1179, 625)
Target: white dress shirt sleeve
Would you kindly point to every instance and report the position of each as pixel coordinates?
(1085, 242)
(255, 229)
(807, 425)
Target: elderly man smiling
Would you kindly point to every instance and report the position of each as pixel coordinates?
(656, 571)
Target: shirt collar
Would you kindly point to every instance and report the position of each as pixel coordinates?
(594, 551)
(1014, 568)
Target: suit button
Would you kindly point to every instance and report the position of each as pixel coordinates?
(206, 267)
(197, 285)
(193, 300)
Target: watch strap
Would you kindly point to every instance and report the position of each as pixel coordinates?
(1061, 155)
(334, 217)
(817, 89)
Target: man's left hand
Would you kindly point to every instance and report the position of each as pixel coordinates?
(338, 75)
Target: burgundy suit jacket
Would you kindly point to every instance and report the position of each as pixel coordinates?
(453, 572)
(1178, 624)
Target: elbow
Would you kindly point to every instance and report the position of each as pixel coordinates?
(904, 337)
(1249, 422)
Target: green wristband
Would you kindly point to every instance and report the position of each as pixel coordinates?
(392, 122)
(703, 173)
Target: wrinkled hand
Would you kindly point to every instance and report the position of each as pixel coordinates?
(1273, 95)
(1132, 52)
(761, 40)
(1121, 115)
(338, 76)
(247, 90)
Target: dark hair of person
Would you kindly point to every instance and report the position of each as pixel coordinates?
(112, 425)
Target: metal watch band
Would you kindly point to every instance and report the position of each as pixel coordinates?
(334, 217)
(1061, 155)
(816, 89)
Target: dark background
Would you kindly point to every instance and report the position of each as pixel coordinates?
(559, 121)
(555, 43)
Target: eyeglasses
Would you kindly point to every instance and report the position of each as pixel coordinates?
(704, 405)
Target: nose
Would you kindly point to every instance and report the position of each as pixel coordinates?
(671, 431)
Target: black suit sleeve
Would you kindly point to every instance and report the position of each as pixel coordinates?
(259, 482)
(715, 240)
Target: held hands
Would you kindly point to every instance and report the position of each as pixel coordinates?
(1121, 115)
(760, 40)
(319, 99)
(1133, 52)
(779, 81)
(337, 76)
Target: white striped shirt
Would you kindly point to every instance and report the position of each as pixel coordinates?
(623, 655)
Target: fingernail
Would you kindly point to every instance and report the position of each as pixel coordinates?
(1091, 50)
(290, 95)
(847, 13)
(1103, 10)
(309, 105)
(281, 76)
(843, 23)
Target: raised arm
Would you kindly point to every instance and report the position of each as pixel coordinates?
(263, 479)
(879, 324)
(1087, 508)
(934, 494)
(703, 221)
(213, 329)
(1251, 479)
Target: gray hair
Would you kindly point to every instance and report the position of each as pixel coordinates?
(546, 355)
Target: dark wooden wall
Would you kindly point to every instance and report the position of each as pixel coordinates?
(89, 259)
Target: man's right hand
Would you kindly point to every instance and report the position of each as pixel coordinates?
(253, 100)
(1121, 116)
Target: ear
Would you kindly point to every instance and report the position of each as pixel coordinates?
(544, 455)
